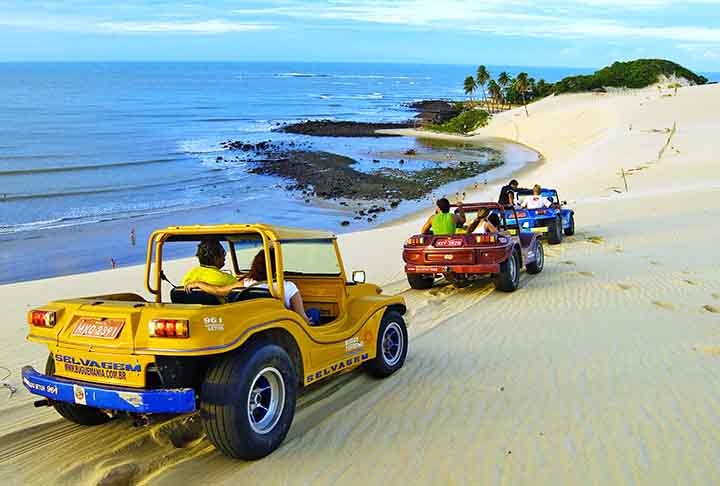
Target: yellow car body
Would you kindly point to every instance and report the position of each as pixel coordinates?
(121, 352)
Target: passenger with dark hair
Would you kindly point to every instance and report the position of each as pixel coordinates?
(257, 277)
(443, 222)
(211, 256)
(507, 193)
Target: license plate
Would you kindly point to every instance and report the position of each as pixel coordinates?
(98, 328)
(539, 230)
(448, 243)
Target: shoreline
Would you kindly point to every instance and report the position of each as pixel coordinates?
(67, 255)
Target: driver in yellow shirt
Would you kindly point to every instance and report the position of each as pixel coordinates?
(211, 256)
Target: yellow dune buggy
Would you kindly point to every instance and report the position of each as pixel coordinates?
(240, 361)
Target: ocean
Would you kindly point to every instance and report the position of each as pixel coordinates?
(91, 151)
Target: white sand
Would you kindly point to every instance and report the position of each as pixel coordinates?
(603, 369)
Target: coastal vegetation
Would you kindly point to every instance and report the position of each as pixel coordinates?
(505, 91)
(640, 73)
(467, 121)
(522, 89)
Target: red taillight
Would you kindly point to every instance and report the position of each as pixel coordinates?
(41, 318)
(522, 214)
(541, 211)
(415, 241)
(485, 238)
(173, 328)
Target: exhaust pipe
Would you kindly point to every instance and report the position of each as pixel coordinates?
(42, 403)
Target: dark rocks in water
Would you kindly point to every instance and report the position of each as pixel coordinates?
(331, 128)
(219, 159)
(402, 161)
(345, 223)
(410, 152)
(376, 161)
(332, 176)
(435, 111)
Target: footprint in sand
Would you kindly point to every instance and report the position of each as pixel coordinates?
(716, 296)
(653, 262)
(690, 282)
(712, 308)
(624, 286)
(568, 262)
(597, 240)
(580, 274)
(619, 249)
(665, 305)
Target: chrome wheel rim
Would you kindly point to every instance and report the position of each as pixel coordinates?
(513, 267)
(392, 344)
(540, 256)
(266, 400)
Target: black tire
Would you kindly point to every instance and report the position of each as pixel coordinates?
(80, 414)
(539, 263)
(508, 279)
(419, 281)
(392, 346)
(247, 400)
(458, 281)
(570, 230)
(555, 232)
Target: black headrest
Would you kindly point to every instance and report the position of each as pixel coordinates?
(179, 296)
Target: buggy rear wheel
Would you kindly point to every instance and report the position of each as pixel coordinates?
(80, 414)
(570, 230)
(508, 280)
(555, 232)
(247, 401)
(418, 281)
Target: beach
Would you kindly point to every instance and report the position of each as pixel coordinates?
(603, 369)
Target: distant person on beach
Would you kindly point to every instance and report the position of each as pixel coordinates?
(113, 263)
(536, 201)
(255, 278)
(211, 256)
(133, 237)
(443, 222)
(507, 193)
(484, 223)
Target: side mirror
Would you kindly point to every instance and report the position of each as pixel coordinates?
(358, 276)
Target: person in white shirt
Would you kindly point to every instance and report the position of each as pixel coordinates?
(536, 201)
(257, 273)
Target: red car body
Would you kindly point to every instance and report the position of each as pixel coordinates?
(464, 257)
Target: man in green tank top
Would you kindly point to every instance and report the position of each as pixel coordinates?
(443, 222)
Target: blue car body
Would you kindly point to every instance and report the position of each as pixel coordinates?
(543, 221)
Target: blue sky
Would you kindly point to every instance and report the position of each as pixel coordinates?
(585, 33)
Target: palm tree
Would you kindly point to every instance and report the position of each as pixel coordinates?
(470, 86)
(482, 76)
(504, 80)
(495, 91)
(522, 85)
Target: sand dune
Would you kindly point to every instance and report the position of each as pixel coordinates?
(603, 369)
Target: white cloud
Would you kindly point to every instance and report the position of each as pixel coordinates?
(201, 27)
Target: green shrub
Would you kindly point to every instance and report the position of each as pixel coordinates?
(464, 123)
(640, 73)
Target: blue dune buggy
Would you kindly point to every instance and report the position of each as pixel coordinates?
(551, 222)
